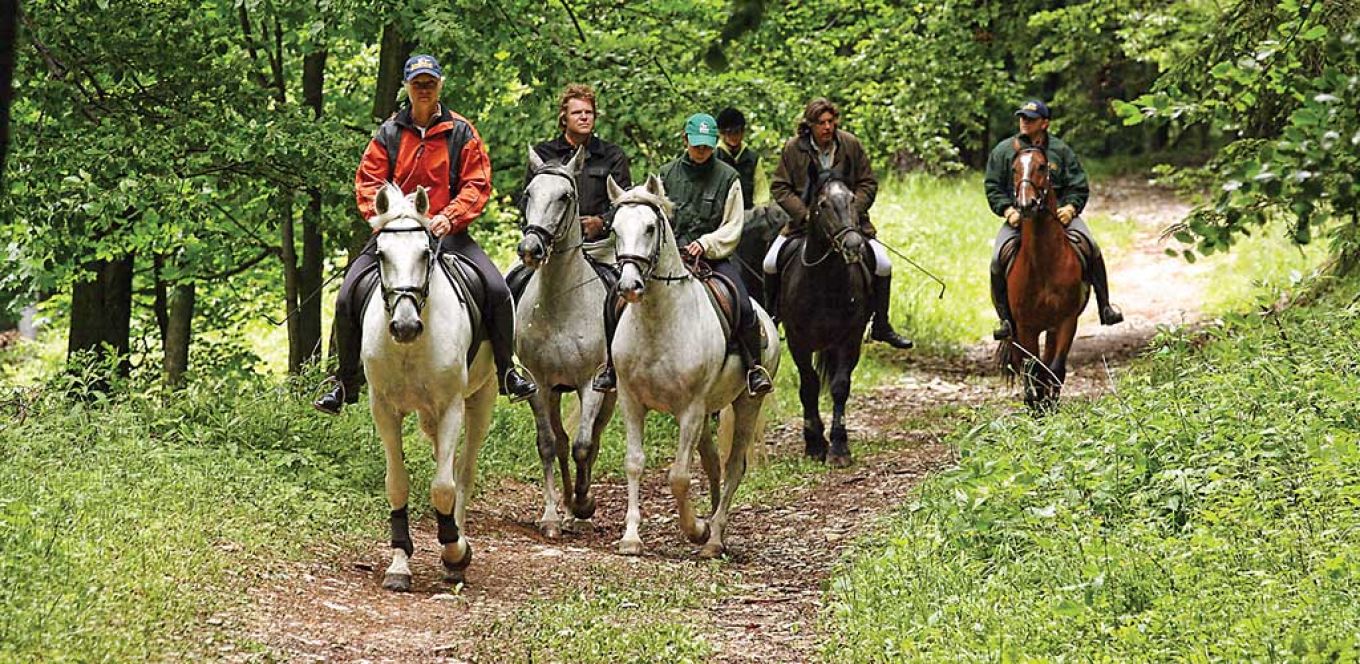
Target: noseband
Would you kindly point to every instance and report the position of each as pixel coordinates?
(418, 294)
(551, 238)
(647, 264)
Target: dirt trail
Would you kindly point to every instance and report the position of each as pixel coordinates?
(781, 554)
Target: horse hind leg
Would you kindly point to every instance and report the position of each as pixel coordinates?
(746, 413)
(398, 483)
(711, 458)
(543, 402)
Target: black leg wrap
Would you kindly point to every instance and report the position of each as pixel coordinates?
(401, 531)
(448, 528)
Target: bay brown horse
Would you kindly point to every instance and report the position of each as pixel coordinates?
(1044, 286)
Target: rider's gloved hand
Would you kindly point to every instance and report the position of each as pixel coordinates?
(593, 228)
(1012, 217)
(440, 225)
(1066, 214)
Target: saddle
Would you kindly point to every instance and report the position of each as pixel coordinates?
(466, 282)
(1079, 243)
(722, 293)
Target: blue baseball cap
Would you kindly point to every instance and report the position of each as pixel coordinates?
(421, 64)
(701, 129)
(1033, 109)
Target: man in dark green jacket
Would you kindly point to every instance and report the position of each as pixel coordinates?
(821, 144)
(707, 222)
(1072, 189)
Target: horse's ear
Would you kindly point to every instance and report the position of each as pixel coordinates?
(615, 191)
(422, 201)
(578, 160)
(535, 162)
(654, 186)
(381, 202)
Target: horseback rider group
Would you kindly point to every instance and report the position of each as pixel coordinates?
(712, 184)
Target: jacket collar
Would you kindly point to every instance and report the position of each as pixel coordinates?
(805, 143)
(561, 145)
(404, 117)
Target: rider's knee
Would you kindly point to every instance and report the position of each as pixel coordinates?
(882, 263)
(771, 264)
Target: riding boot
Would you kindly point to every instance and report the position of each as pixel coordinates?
(757, 378)
(1003, 306)
(502, 337)
(771, 288)
(518, 280)
(607, 380)
(1108, 314)
(881, 329)
(349, 375)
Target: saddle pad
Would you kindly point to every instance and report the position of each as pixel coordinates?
(1011, 249)
(471, 292)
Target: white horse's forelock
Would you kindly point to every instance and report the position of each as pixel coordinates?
(639, 194)
(399, 206)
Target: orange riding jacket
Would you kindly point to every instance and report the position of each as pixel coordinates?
(447, 158)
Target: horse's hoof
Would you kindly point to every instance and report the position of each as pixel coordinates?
(711, 551)
(582, 526)
(839, 461)
(703, 531)
(630, 547)
(550, 530)
(455, 572)
(400, 583)
(584, 508)
(816, 454)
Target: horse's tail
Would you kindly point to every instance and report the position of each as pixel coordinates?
(755, 451)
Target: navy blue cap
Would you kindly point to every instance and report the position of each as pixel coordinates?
(421, 64)
(1033, 109)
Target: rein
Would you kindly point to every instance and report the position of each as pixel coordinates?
(418, 294)
(647, 264)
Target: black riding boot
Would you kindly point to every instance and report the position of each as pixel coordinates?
(881, 329)
(757, 378)
(1002, 304)
(1099, 283)
(607, 380)
(771, 288)
(349, 375)
(502, 337)
(518, 280)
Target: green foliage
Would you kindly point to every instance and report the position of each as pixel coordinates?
(1206, 511)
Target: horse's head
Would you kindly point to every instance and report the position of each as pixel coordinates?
(406, 252)
(549, 205)
(640, 232)
(1030, 180)
(835, 216)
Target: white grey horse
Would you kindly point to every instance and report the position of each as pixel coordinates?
(560, 337)
(671, 356)
(416, 338)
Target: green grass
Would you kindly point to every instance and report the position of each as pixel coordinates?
(1207, 512)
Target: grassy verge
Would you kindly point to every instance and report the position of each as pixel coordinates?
(1207, 512)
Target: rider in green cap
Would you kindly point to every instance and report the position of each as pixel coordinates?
(707, 222)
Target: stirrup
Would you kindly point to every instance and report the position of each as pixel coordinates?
(505, 386)
(758, 369)
(1004, 332)
(598, 382)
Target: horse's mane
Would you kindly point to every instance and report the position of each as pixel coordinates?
(639, 194)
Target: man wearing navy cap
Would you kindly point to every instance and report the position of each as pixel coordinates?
(426, 144)
(1069, 183)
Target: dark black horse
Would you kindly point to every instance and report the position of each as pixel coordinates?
(825, 301)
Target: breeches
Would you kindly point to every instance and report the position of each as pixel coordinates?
(882, 264)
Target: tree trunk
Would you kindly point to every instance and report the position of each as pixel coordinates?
(178, 333)
(292, 280)
(309, 272)
(101, 312)
(9, 16)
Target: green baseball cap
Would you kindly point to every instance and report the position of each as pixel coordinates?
(702, 129)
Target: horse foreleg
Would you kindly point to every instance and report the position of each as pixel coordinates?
(398, 483)
(443, 488)
(1027, 341)
(477, 410)
(561, 447)
(841, 372)
(634, 417)
(1058, 345)
(692, 423)
(712, 460)
(809, 390)
(550, 524)
(746, 411)
(583, 451)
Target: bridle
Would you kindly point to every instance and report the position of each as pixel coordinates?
(837, 236)
(551, 238)
(419, 294)
(1040, 192)
(647, 264)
